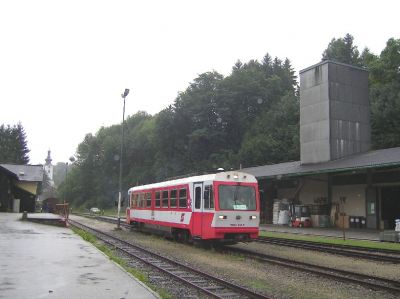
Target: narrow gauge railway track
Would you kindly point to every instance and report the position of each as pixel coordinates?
(376, 283)
(383, 255)
(211, 286)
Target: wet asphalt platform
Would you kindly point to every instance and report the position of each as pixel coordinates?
(43, 261)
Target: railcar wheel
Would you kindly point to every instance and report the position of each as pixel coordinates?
(182, 235)
(187, 238)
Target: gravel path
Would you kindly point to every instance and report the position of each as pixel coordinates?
(272, 280)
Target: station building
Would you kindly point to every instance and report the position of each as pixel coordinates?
(19, 187)
(338, 175)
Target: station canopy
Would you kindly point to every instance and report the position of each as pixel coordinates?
(369, 160)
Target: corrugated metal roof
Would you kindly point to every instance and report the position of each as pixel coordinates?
(372, 159)
(27, 173)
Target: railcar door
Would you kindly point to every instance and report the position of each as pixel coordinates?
(197, 215)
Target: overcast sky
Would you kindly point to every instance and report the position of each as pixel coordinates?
(64, 64)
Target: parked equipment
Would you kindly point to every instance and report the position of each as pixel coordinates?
(299, 216)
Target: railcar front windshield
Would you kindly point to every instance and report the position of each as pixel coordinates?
(237, 197)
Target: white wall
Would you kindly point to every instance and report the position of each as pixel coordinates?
(317, 186)
(355, 198)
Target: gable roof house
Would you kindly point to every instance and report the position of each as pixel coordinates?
(19, 187)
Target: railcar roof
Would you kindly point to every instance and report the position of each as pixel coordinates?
(220, 176)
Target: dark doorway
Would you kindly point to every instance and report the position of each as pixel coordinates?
(390, 203)
(267, 195)
(27, 200)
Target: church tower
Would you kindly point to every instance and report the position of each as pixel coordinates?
(48, 168)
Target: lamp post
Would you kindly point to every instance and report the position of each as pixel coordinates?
(124, 95)
(72, 160)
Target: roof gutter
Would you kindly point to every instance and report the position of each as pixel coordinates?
(305, 173)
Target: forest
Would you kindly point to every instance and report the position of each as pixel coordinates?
(248, 118)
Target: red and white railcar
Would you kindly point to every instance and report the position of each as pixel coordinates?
(222, 206)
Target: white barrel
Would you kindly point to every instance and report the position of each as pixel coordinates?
(283, 217)
(397, 228)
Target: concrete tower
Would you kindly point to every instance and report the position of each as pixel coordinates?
(334, 112)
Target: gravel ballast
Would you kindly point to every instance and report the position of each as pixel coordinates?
(276, 281)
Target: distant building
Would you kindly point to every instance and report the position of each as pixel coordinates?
(338, 176)
(49, 189)
(19, 187)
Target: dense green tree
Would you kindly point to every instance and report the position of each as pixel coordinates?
(274, 136)
(13, 144)
(384, 85)
(216, 122)
(250, 91)
(94, 178)
(385, 96)
(343, 50)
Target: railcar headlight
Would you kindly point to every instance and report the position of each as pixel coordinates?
(222, 217)
(253, 217)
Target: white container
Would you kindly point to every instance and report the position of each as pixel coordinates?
(397, 227)
(283, 217)
(16, 205)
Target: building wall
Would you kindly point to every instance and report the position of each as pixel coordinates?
(314, 190)
(314, 115)
(349, 110)
(48, 168)
(287, 193)
(334, 112)
(5, 184)
(355, 199)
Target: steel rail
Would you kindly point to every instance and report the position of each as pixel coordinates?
(337, 274)
(344, 250)
(361, 248)
(351, 251)
(168, 266)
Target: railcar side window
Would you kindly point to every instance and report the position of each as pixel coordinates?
(134, 202)
(208, 197)
(197, 198)
(148, 199)
(172, 200)
(182, 198)
(142, 203)
(158, 199)
(165, 199)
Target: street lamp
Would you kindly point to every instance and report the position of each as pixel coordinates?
(124, 95)
(72, 160)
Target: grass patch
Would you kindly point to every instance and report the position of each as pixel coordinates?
(120, 261)
(260, 285)
(335, 241)
(113, 212)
